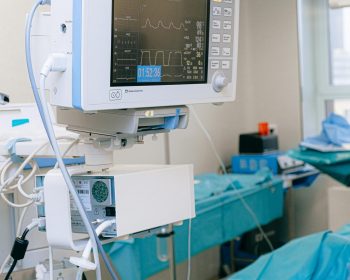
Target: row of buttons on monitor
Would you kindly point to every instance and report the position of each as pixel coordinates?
(217, 11)
(215, 51)
(215, 64)
(227, 25)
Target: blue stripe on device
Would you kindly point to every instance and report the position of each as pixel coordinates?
(19, 122)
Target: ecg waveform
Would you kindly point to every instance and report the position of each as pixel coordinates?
(161, 54)
(126, 19)
(161, 24)
(162, 35)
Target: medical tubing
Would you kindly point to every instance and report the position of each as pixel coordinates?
(67, 178)
(97, 245)
(61, 164)
(71, 145)
(60, 161)
(50, 134)
(28, 51)
(223, 167)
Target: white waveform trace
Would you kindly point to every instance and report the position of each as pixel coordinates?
(161, 24)
(162, 53)
(126, 78)
(172, 76)
(126, 19)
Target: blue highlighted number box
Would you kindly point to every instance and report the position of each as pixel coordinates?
(149, 73)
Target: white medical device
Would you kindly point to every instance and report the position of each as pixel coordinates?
(116, 70)
(131, 54)
(137, 197)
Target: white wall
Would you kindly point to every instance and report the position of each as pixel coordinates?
(13, 78)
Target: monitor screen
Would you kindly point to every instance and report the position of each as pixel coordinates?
(159, 42)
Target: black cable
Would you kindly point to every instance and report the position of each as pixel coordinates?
(24, 234)
(13, 265)
(18, 251)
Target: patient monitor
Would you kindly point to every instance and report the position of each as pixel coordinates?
(149, 58)
(144, 53)
(117, 70)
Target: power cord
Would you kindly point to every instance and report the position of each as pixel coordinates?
(19, 248)
(234, 187)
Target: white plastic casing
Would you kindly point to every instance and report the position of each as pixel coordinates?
(146, 197)
(82, 31)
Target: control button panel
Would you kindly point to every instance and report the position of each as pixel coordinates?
(222, 42)
(216, 24)
(215, 64)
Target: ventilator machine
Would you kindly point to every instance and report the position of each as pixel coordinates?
(105, 74)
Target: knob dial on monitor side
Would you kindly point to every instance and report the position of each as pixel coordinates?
(219, 81)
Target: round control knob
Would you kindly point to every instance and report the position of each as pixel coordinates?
(219, 82)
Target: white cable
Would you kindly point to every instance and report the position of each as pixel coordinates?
(21, 191)
(189, 249)
(33, 197)
(71, 145)
(14, 205)
(50, 132)
(25, 163)
(5, 183)
(51, 262)
(83, 262)
(79, 274)
(20, 221)
(33, 224)
(223, 167)
(46, 118)
(99, 230)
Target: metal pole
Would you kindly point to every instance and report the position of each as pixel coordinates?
(171, 254)
(171, 240)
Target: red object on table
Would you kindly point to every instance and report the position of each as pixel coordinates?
(264, 129)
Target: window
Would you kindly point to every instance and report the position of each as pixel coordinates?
(324, 35)
(339, 35)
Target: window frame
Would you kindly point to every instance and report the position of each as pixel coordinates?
(317, 87)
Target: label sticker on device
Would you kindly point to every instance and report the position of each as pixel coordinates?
(83, 190)
(149, 73)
